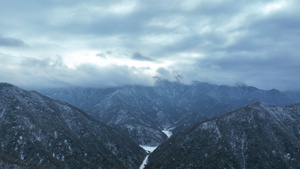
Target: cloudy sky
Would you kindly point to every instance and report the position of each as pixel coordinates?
(100, 43)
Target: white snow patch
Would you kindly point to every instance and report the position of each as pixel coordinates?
(218, 132)
(144, 162)
(167, 132)
(55, 134)
(149, 149)
(22, 155)
(2, 112)
(130, 127)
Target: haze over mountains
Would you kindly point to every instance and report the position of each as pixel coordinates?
(143, 112)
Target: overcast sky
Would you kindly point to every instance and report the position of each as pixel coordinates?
(61, 43)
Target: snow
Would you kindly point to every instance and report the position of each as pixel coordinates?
(55, 134)
(2, 112)
(149, 149)
(144, 162)
(167, 132)
(22, 155)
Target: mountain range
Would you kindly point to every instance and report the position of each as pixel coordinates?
(142, 112)
(40, 132)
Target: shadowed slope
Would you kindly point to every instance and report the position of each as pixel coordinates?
(255, 136)
(39, 132)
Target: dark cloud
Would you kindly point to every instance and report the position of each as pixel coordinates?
(52, 72)
(138, 56)
(265, 72)
(11, 42)
(252, 42)
(269, 34)
(52, 62)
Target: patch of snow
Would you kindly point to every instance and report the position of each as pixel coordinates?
(144, 162)
(287, 156)
(2, 112)
(149, 149)
(38, 138)
(167, 132)
(218, 132)
(55, 134)
(130, 127)
(22, 155)
(65, 108)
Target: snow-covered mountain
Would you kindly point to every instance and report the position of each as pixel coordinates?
(255, 136)
(142, 112)
(39, 132)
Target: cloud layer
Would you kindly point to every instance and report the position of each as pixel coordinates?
(112, 43)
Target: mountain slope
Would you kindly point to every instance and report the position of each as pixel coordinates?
(39, 132)
(255, 136)
(167, 105)
(121, 111)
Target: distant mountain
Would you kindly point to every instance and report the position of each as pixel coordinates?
(39, 132)
(255, 136)
(142, 112)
